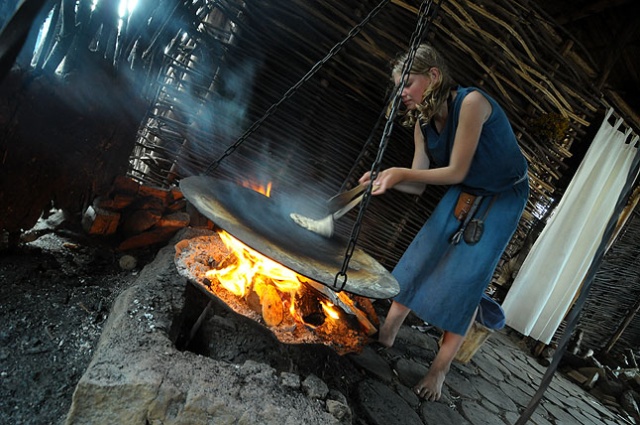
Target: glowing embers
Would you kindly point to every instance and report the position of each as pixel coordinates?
(294, 308)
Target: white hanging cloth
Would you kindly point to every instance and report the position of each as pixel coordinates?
(552, 274)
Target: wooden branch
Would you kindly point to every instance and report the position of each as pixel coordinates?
(623, 326)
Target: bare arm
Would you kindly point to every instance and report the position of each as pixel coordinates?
(474, 112)
(420, 162)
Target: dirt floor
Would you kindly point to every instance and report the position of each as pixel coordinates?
(55, 295)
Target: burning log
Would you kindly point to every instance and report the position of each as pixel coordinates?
(310, 309)
(349, 306)
(272, 309)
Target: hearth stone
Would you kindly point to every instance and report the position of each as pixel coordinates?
(138, 376)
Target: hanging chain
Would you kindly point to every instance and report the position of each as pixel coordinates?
(416, 39)
(272, 109)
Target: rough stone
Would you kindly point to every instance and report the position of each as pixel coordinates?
(495, 395)
(314, 387)
(489, 368)
(559, 413)
(410, 372)
(583, 419)
(438, 413)
(478, 415)
(290, 380)
(408, 395)
(490, 406)
(337, 396)
(382, 406)
(340, 410)
(539, 419)
(515, 393)
(460, 384)
(413, 336)
(373, 364)
(137, 376)
(511, 418)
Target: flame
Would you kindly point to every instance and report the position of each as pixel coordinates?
(330, 310)
(259, 287)
(239, 277)
(260, 188)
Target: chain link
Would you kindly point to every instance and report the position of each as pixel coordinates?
(416, 39)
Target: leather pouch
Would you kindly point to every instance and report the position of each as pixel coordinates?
(473, 232)
(463, 206)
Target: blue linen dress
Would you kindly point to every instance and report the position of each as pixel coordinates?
(443, 283)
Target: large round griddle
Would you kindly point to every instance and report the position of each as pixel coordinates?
(264, 224)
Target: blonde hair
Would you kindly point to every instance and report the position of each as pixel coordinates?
(426, 57)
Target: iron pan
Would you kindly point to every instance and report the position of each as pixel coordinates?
(263, 224)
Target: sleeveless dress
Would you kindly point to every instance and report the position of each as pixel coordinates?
(442, 283)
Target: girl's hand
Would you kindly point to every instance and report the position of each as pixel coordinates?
(365, 180)
(385, 180)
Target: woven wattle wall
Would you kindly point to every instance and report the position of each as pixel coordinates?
(316, 141)
(612, 301)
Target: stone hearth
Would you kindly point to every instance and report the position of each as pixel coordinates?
(139, 376)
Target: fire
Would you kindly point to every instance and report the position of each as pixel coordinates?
(330, 310)
(249, 266)
(257, 187)
(293, 307)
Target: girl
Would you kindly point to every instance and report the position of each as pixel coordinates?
(462, 139)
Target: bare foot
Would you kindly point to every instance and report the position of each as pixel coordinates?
(430, 387)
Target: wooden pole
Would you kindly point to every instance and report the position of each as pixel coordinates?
(614, 339)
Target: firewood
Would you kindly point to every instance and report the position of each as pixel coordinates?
(197, 219)
(152, 203)
(272, 309)
(628, 403)
(367, 307)
(364, 321)
(253, 301)
(631, 358)
(151, 237)
(177, 205)
(309, 308)
(117, 203)
(368, 327)
(153, 192)
(98, 221)
(140, 221)
(346, 304)
(176, 194)
(177, 219)
(125, 185)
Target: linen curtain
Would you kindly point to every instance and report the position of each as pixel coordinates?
(551, 275)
